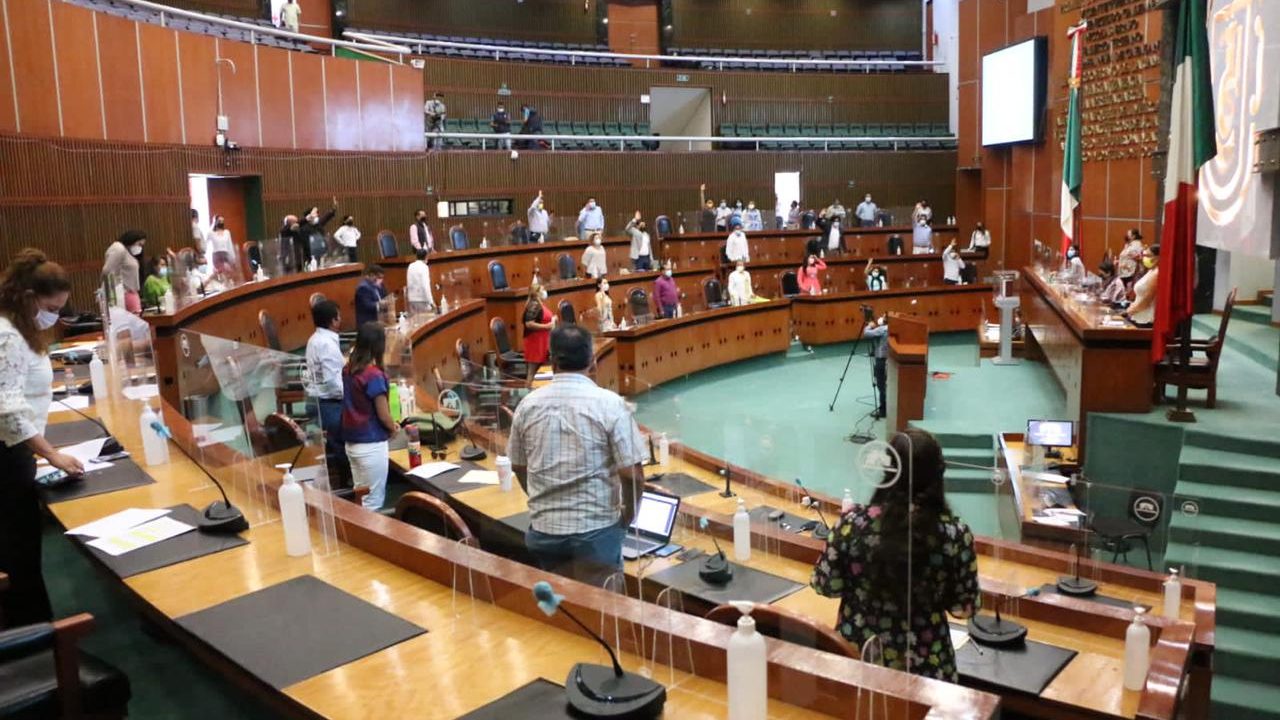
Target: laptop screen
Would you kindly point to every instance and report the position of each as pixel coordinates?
(657, 514)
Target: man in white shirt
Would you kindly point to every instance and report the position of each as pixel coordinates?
(290, 13)
(735, 248)
(723, 213)
(576, 451)
(952, 264)
(347, 235)
(867, 212)
(641, 250)
(751, 217)
(921, 238)
(420, 232)
(590, 219)
(417, 287)
(323, 385)
(539, 221)
(594, 260)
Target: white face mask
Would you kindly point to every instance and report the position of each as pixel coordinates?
(596, 242)
(667, 273)
(591, 206)
(135, 250)
(740, 268)
(542, 294)
(46, 319)
(604, 287)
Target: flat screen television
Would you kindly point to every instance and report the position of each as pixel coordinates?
(1014, 85)
(1051, 433)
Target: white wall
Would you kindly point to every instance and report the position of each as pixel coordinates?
(1246, 274)
(946, 24)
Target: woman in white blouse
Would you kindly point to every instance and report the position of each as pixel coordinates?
(32, 292)
(221, 247)
(740, 291)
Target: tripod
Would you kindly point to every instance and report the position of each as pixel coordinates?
(858, 435)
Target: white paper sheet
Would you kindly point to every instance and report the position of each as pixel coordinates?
(141, 536)
(479, 477)
(141, 392)
(118, 523)
(958, 638)
(85, 451)
(67, 404)
(426, 471)
(221, 435)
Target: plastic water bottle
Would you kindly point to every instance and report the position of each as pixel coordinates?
(503, 464)
(1172, 594)
(846, 504)
(293, 516)
(168, 304)
(98, 377)
(444, 305)
(68, 380)
(1137, 650)
(741, 533)
(155, 449)
(664, 448)
(748, 668)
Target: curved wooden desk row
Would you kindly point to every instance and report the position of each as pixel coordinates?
(788, 246)
(480, 647)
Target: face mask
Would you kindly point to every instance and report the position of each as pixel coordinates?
(591, 206)
(596, 242)
(1071, 254)
(752, 206)
(203, 268)
(605, 287)
(135, 250)
(350, 223)
(1148, 262)
(738, 205)
(163, 272)
(46, 319)
(313, 219)
(542, 294)
(740, 268)
(667, 273)
(867, 199)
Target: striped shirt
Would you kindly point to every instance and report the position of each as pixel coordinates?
(572, 436)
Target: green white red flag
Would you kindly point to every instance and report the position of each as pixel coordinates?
(1071, 159)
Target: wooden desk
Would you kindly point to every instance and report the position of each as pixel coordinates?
(788, 246)
(1100, 368)
(665, 349)
(837, 316)
(907, 371)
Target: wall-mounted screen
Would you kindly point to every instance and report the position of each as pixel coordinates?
(1013, 93)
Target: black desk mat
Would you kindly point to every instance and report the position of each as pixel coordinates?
(679, 484)
(123, 474)
(747, 584)
(186, 546)
(1027, 668)
(300, 628)
(70, 433)
(537, 700)
(519, 521)
(787, 523)
(1052, 589)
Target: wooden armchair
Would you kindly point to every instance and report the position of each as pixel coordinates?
(777, 623)
(1201, 371)
(429, 513)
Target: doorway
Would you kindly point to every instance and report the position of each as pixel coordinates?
(786, 189)
(680, 111)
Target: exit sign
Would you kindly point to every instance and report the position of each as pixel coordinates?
(682, 78)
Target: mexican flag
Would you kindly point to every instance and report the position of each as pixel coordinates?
(1071, 153)
(1191, 144)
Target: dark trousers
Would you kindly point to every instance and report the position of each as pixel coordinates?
(537, 237)
(668, 311)
(26, 601)
(642, 263)
(882, 377)
(329, 413)
(351, 254)
(592, 557)
(866, 223)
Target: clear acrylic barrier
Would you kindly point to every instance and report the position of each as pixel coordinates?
(250, 421)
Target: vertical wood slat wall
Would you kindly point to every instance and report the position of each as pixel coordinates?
(613, 95)
(81, 74)
(798, 24)
(72, 197)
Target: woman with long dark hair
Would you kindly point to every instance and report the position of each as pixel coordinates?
(538, 322)
(366, 413)
(32, 291)
(901, 563)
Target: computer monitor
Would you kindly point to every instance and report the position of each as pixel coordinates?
(657, 514)
(1051, 433)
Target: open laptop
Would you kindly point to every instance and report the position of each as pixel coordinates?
(652, 526)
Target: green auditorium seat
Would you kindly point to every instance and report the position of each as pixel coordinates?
(613, 128)
(791, 130)
(923, 129)
(727, 130)
(874, 129)
(941, 129)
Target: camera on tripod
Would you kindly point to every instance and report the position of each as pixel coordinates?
(868, 312)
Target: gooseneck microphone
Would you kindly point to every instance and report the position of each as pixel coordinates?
(715, 569)
(111, 446)
(596, 690)
(823, 529)
(219, 516)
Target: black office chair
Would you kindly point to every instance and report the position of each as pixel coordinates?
(519, 234)
(511, 361)
(498, 275)
(566, 266)
(638, 304)
(789, 283)
(458, 238)
(43, 674)
(713, 293)
(808, 220)
(1118, 535)
(252, 254)
(568, 315)
(663, 225)
(387, 247)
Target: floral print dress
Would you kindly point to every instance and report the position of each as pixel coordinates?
(949, 583)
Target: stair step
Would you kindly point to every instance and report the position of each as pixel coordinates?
(1260, 536)
(1228, 468)
(1247, 653)
(1239, 699)
(1266, 297)
(1249, 609)
(1229, 500)
(1259, 314)
(982, 457)
(970, 480)
(950, 440)
(1230, 568)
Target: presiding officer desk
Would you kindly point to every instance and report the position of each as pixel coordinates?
(484, 635)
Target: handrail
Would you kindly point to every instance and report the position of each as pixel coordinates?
(382, 47)
(621, 140)
(497, 50)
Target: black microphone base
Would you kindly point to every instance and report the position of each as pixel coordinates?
(221, 517)
(821, 532)
(991, 630)
(472, 453)
(1080, 587)
(716, 570)
(596, 691)
(727, 493)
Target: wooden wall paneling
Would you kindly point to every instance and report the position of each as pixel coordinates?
(240, 95)
(8, 117)
(33, 67)
(162, 99)
(378, 127)
(406, 105)
(276, 101)
(634, 28)
(226, 198)
(1125, 182)
(799, 24)
(316, 18)
(550, 20)
(78, 87)
(324, 91)
(196, 55)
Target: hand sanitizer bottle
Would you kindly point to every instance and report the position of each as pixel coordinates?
(98, 377)
(846, 504)
(741, 533)
(1172, 594)
(747, 668)
(1137, 649)
(293, 516)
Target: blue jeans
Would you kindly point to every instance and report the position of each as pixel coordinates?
(590, 556)
(668, 311)
(329, 413)
(642, 263)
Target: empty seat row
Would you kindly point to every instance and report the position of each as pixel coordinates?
(204, 27)
(920, 136)
(552, 127)
(516, 56)
(780, 60)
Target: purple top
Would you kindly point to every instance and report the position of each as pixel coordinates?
(666, 291)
